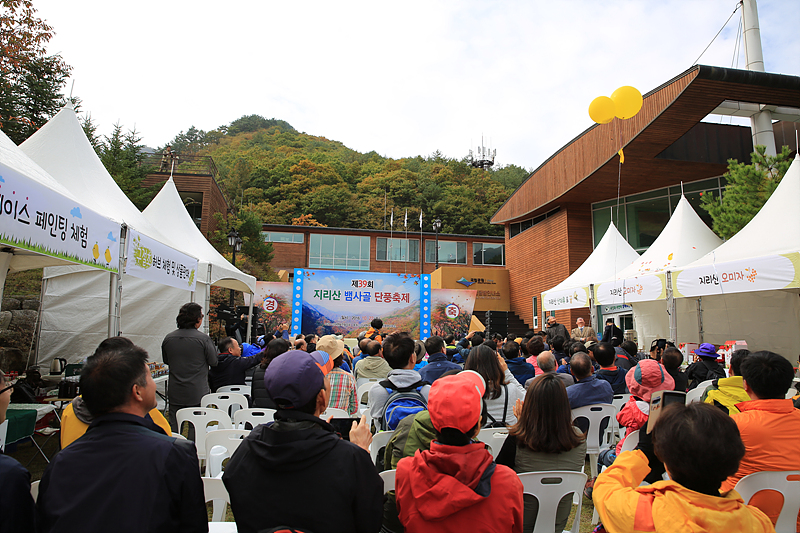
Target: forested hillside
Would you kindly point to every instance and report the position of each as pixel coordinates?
(270, 169)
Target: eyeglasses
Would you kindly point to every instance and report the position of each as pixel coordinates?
(9, 387)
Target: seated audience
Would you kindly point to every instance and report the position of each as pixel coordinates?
(124, 464)
(768, 424)
(456, 486)
(705, 366)
(420, 353)
(473, 339)
(699, 447)
(557, 347)
(725, 393)
(588, 389)
(502, 390)
(626, 356)
(231, 365)
(257, 390)
(297, 470)
(343, 384)
(544, 439)
(547, 364)
(437, 360)
(17, 509)
(373, 365)
(605, 356)
(521, 369)
(672, 358)
(534, 347)
(374, 331)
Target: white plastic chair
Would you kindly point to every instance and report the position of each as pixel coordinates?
(596, 439)
(220, 445)
(787, 483)
(494, 437)
(214, 490)
(631, 441)
(695, 395)
(362, 392)
(254, 416)
(336, 413)
(549, 488)
(178, 436)
(200, 418)
(379, 440)
(3, 433)
(618, 402)
(240, 389)
(388, 477)
(229, 402)
(35, 489)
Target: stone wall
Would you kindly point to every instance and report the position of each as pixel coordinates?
(18, 318)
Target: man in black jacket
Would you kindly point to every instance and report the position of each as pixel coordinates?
(297, 471)
(231, 366)
(124, 474)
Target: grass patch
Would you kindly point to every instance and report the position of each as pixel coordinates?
(25, 283)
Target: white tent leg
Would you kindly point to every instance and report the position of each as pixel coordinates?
(672, 310)
(207, 306)
(113, 288)
(593, 309)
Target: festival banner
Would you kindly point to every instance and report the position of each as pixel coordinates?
(631, 290)
(151, 260)
(344, 303)
(274, 300)
(452, 311)
(765, 273)
(36, 218)
(565, 299)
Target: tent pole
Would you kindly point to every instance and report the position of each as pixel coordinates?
(115, 288)
(38, 331)
(207, 306)
(671, 310)
(700, 318)
(250, 318)
(592, 308)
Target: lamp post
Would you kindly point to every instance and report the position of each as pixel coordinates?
(437, 225)
(235, 242)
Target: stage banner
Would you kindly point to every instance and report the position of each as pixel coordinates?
(344, 303)
(452, 312)
(151, 260)
(274, 301)
(748, 275)
(631, 290)
(36, 218)
(565, 299)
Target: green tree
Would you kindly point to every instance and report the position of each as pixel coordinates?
(122, 156)
(252, 123)
(749, 187)
(30, 80)
(248, 224)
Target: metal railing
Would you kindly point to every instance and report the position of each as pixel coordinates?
(184, 164)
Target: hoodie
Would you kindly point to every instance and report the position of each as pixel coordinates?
(284, 470)
(458, 488)
(616, 377)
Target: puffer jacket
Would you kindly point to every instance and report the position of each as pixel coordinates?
(632, 416)
(666, 506)
(725, 393)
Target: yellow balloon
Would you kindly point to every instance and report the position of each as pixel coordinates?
(627, 101)
(601, 110)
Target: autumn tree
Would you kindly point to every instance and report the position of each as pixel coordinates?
(748, 188)
(30, 80)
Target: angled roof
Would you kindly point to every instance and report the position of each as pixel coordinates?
(588, 164)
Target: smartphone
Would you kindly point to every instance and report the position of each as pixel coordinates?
(659, 401)
(342, 426)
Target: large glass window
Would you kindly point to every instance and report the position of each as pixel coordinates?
(340, 252)
(281, 236)
(484, 253)
(454, 252)
(397, 250)
(646, 219)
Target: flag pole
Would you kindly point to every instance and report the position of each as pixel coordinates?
(405, 225)
(391, 240)
(421, 251)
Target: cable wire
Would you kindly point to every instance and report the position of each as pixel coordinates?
(738, 5)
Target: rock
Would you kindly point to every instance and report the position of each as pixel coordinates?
(12, 360)
(31, 304)
(5, 319)
(24, 320)
(9, 304)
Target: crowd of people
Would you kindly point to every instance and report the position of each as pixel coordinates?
(121, 467)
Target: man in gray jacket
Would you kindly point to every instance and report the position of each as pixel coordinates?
(188, 352)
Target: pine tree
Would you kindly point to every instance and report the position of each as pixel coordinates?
(122, 156)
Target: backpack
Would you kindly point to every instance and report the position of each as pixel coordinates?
(402, 402)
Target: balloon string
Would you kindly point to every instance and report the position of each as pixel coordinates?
(619, 172)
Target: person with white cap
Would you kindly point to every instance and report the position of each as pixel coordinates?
(456, 485)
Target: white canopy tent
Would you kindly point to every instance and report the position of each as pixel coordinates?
(641, 285)
(748, 288)
(166, 210)
(78, 302)
(612, 255)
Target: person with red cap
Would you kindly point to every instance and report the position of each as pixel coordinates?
(456, 485)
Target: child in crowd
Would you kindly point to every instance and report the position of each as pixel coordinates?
(705, 366)
(605, 356)
(672, 358)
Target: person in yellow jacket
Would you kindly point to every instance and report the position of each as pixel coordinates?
(700, 447)
(76, 419)
(725, 393)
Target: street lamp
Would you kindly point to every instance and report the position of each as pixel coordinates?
(235, 242)
(437, 225)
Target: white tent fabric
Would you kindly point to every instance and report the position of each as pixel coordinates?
(75, 306)
(166, 210)
(611, 255)
(684, 239)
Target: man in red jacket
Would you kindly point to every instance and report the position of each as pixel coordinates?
(456, 486)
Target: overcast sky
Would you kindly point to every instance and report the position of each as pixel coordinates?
(400, 78)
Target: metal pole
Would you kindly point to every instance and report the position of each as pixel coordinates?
(592, 309)
(436, 267)
(208, 301)
(700, 319)
(234, 266)
(671, 310)
(761, 122)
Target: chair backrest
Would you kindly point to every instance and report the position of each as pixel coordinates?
(787, 483)
(214, 489)
(35, 489)
(200, 418)
(254, 417)
(494, 437)
(620, 400)
(362, 393)
(240, 389)
(549, 488)
(631, 441)
(3, 433)
(388, 480)
(695, 395)
(596, 436)
(336, 413)
(229, 439)
(379, 440)
(229, 402)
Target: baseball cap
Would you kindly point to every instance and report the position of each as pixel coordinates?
(331, 345)
(456, 401)
(647, 377)
(292, 379)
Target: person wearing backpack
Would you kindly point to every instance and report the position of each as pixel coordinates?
(403, 392)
